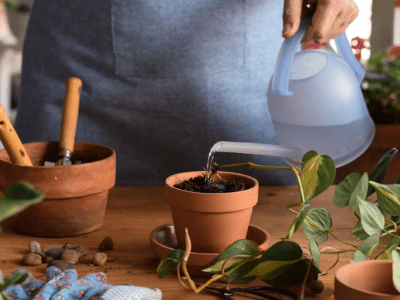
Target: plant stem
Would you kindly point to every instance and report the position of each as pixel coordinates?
(358, 217)
(337, 252)
(251, 165)
(339, 239)
(185, 271)
(299, 184)
(393, 223)
(303, 286)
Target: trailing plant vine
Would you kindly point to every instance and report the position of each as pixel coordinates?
(284, 263)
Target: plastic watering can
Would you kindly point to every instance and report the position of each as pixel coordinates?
(315, 102)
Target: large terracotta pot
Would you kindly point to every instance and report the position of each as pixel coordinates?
(366, 280)
(75, 195)
(214, 220)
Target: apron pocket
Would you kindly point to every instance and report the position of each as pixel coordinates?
(175, 38)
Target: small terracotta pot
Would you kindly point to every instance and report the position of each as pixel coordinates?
(214, 220)
(75, 195)
(366, 280)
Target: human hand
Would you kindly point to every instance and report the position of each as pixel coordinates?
(330, 18)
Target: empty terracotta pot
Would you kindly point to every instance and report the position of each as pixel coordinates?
(75, 195)
(366, 280)
(214, 220)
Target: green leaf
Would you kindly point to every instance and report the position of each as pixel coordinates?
(372, 219)
(396, 269)
(19, 196)
(345, 189)
(316, 224)
(388, 197)
(282, 251)
(170, 262)
(287, 275)
(387, 254)
(359, 256)
(240, 247)
(361, 191)
(279, 255)
(369, 245)
(359, 231)
(379, 172)
(314, 251)
(4, 297)
(296, 223)
(320, 176)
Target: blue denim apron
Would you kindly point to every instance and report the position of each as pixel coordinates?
(163, 80)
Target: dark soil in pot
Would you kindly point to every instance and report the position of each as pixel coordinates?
(200, 185)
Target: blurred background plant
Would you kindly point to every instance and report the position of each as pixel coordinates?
(381, 86)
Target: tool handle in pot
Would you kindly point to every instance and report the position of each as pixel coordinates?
(70, 114)
(11, 142)
(280, 78)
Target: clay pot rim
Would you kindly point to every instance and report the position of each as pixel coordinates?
(255, 181)
(111, 156)
(348, 267)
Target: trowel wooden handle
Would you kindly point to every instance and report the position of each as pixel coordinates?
(70, 114)
(11, 141)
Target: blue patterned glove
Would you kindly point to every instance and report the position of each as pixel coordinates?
(65, 286)
(60, 286)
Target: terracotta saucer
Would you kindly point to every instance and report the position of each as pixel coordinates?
(163, 241)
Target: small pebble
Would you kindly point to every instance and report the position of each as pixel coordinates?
(82, 251)
(68, 246)
(31, 259)
(47, 248)
(106, 244)
(34, 247)
(61, 264)
(317, 287)
(99, 259)
(70, 256)
(55, 252)
(48, 259)
(43, 256)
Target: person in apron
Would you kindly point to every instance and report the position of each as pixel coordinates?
(163, 80)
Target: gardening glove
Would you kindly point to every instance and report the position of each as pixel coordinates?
(60, 286)
(26, 290)
(130, 292)
(65, 286)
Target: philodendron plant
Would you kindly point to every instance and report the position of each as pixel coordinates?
(283, 264)
(19, 196)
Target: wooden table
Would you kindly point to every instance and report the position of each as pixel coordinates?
(132, 212)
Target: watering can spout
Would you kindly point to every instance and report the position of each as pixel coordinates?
(291, 154)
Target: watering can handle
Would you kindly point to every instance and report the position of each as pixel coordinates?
(280, 78)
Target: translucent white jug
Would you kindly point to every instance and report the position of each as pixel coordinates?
(315, 102)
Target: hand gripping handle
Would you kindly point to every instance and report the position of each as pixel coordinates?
(280, 79)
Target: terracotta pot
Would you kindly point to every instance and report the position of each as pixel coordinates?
(214, 220)
(366, 280)
(75, 195)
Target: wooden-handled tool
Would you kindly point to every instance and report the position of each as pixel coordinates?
(11, 141)
(69, 120)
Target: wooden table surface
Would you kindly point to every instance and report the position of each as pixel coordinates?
(132, 212)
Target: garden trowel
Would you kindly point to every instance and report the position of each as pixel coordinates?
(68, 123)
